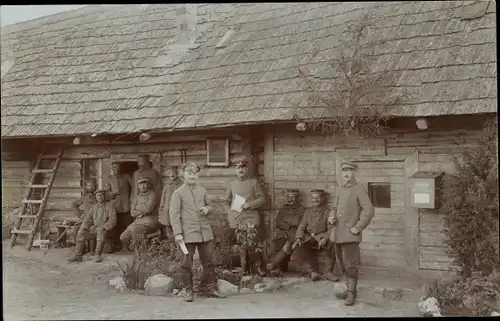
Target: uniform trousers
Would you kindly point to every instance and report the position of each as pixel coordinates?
(348, 255)
(91, 234)
(207, 258)
(309, 254)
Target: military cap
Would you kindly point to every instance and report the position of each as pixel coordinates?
(144, 179)
(347, 164)
(240, 161)
(317, 191)
(101, 190)
(292, 191)
(190, 164)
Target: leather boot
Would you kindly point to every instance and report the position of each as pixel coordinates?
(314, 276)
(78, 253)
(92, 244)
(243, 261)
(343, 295)
(276, 261)
(351, 291)
(188, 282)
(98, 251)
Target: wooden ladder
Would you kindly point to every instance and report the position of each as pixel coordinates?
(46, 188)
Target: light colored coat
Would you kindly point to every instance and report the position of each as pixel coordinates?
(354, 209)
(185, 216)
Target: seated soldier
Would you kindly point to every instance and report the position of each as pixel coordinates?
(144, 210)
(287, 221)
(100, 219)
(312, 236)
(87, 200)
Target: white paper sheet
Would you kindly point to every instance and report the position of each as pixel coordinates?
(421, 198)
(184, 249)
(237, 204)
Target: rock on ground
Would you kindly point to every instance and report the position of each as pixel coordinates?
(226, 287)
(293, 281)
(118, 283)
(245, 291)
(249, 281)
(158, 285)
(429, 308)
(495, 314)
(267, 285)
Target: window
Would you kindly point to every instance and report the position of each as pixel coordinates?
(218, 151)
(380, 194)
(91, 169)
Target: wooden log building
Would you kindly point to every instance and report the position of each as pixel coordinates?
(209, 82)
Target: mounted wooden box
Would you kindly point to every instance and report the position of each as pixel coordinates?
(426, 190)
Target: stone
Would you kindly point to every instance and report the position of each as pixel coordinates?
(293, 281)
(118, 283)
(175, 291)
(495, 314)
(429, 308)
(245, 291)
(226, 287)
(158, 285)
(267, 285)
(181, 293)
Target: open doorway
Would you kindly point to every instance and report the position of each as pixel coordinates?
(128, 167)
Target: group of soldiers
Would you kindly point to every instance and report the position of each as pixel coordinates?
(139, 206)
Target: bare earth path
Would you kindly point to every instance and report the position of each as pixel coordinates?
(37, 286)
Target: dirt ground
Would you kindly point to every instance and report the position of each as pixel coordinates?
(41, 287)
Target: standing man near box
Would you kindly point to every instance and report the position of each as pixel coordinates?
(188, 212)
(353, 214)
(250, 190)
(119, 187)
(173, 183)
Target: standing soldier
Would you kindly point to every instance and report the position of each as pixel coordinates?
(173, 183)
(145, 170)
(119, 187)
(87, 200)
(188, 212)
(312, 236)
(287, 221)
(97, 223)
(354, 213)
(250, 190)
(144, 210)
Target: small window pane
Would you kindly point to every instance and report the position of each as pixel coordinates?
(380, 194)
(218, 151)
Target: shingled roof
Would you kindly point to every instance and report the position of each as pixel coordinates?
(103, 69)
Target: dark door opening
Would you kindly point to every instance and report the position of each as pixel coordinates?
(128, 167)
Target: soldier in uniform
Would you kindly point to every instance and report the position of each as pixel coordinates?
(251, 191)
(286, 223)
(98, 222)
(144, 210)
(353, 214)
(312, 236)
(87, 200)
(188, 212)
(173, 183)
(119, 187)
(145, 170)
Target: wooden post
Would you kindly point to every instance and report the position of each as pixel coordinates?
(411, 217)
(269, 173)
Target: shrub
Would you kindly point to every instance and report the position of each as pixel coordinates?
(474, 295)
(471, 209)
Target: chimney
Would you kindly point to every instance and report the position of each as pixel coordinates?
(187, 30)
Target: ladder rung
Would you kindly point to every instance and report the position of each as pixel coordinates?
(32, 201)
(38, 186)
(14, 231)
(43, 170)
(49, 156)
(27, 216)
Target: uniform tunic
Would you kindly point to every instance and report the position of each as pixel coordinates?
(185, 215)
(153, 175)
(100, 215)
(87, 200)
(250, 189)
(354, 209)
(121, 184)
(145, 212)
(314, 223)
(166, 196)
(287, 221)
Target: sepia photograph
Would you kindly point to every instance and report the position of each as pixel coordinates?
(249, 160)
